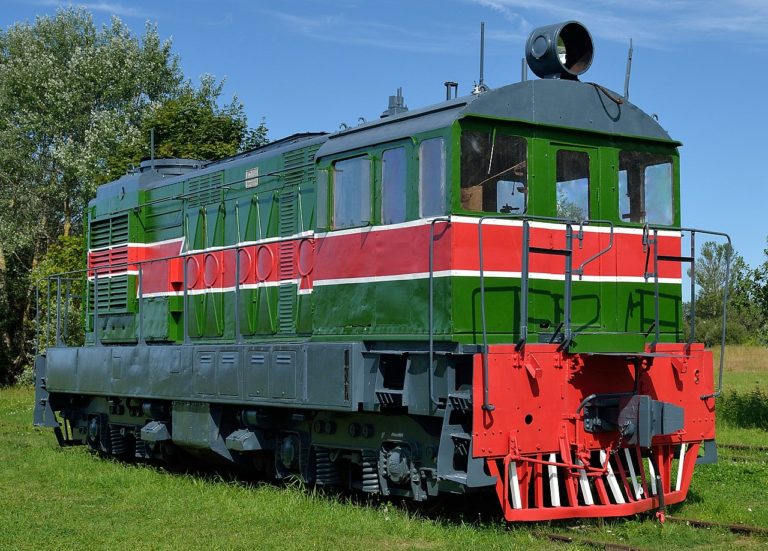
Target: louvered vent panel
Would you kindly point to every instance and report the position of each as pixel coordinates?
(286, 306)
(108, 235)
(119, 230)
(286, 303)
(205, 189)
(299, 165)
(287, 213)
(100, 234)
(113, 294)
(287, 260)
(106, 238)
(108, 232)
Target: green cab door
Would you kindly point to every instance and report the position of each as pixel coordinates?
(572, 186)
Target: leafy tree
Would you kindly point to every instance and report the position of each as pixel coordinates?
(190, 124)
(76, 106)
(745, 318)
(64, 85)
(759, 284)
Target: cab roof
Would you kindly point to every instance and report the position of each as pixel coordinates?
(551, 102)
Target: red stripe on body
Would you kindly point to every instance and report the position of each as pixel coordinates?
(382, 253)
(502, 246)
(391, 252)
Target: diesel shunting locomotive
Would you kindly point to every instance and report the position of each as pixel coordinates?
(484, 295)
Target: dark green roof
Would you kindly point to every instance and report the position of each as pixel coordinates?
(554, 102)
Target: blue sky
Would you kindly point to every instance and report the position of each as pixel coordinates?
(309, 65)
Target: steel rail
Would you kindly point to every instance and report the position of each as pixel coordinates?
(735, 528)
(743, 447)
(606, 545)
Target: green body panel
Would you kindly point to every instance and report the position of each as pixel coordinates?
(623, 310)
(217, 209)
(384, 310)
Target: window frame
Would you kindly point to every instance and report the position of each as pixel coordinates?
(593, 177)
(495, 131)
(444, 156)
(332, 223)
(404, 183)
(673, 160)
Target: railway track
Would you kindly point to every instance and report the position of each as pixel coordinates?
(743, 447)
(740, 529)
(595, 544)
(741, 453)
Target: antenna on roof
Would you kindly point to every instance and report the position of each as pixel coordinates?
(396, 104)
(480, 87)
(629, 70)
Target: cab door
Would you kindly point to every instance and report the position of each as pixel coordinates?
(573, 185)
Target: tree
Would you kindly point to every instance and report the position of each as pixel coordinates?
(76, 106)
(745, 318)
(65, 84)
(190, 124)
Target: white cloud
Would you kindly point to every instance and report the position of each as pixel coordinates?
(345, 30)
(654, 23)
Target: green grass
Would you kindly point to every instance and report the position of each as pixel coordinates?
(52, 498)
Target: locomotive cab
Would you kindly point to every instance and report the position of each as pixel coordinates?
(510, 169)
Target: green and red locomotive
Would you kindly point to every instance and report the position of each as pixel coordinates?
(484, 295)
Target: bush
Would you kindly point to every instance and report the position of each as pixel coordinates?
(747, 410)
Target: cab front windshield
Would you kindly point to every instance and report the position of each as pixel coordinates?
(494, 172)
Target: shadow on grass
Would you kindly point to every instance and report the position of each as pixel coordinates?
(692, 497)
(478, 510)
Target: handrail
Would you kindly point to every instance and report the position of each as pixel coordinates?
(580, 270)
(94, 274)
(61, 324)
(432, 302)
(526, 219)
(96, 335)
(647, 242)
(140, 299)
(650, 238)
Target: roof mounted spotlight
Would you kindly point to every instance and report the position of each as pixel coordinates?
(563, 50)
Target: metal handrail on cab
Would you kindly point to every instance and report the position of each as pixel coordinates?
(526, 249)
(651, 240)
(447, 220)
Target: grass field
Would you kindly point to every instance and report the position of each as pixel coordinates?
(52, 498)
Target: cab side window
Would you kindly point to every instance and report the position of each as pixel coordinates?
(645, 188)
(393, 182)
(572, 185)
(352, 193)
(494, 172)
(432, 177)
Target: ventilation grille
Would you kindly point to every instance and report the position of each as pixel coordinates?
(287, 213)
(205, 189)
(286, 299)
(110, 260)
(299, 165)
(286, 308)
(108, 232)
(112, 296)
(106, 236)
